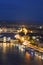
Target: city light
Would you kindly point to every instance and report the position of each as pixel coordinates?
(31, 31)
(8, 38)
(25, 30)
(33, 37)
(1, 30)
(17, 36)
(21, 32)
(4, 39)
(22, 39)
(40, 27)
(26, 42)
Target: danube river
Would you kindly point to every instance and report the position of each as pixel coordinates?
(9, 55)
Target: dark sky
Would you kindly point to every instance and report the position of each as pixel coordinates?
(30, 10)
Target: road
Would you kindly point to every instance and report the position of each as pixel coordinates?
(35, 48)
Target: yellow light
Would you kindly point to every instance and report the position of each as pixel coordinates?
(4, 47)
(17, 36)
(4, 39)
(25, 30)
(26, 42)
(20, 29)
(22, 38)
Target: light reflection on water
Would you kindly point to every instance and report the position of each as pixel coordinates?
(27, 55)
(5, 46)
(11, 56)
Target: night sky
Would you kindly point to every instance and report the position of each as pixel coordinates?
(27, 10)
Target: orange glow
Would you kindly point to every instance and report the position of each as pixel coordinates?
(4, 47)
(27, 56)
